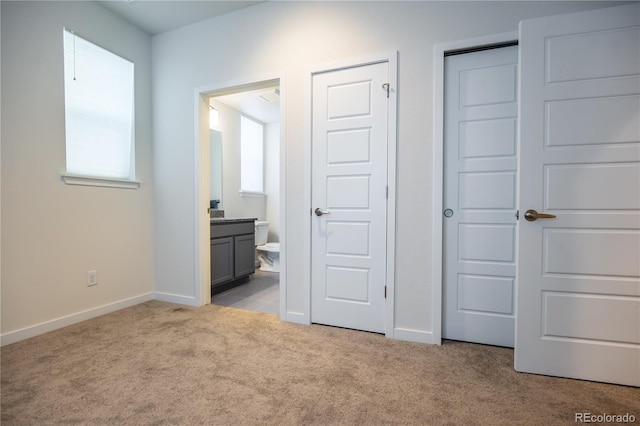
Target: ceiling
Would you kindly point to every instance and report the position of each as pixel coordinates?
(158, 16)
(254, 104)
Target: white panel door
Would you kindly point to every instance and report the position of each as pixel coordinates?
(349, 167)
(578, 303)
(480, 196)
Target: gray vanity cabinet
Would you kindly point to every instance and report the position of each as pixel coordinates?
(222, 260)
(244, 250)
(232, 251)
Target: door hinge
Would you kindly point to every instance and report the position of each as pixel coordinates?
(385, 291)
(386, 86)
(517, 214)
(387, 193)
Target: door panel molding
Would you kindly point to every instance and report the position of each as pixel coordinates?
(479, 236)
(440, 51)
(392, 59)
(578, 296)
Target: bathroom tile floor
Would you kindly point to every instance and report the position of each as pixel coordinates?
(260, 294)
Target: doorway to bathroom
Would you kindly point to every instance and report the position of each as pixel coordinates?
(243, 158)
(260, 293)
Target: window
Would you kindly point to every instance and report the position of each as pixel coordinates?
(98, 88)
(251, 153)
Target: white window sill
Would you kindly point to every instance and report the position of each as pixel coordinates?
(100, 181)
(251, 194)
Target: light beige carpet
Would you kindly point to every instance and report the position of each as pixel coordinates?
(163, 364)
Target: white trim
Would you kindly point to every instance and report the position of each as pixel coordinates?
(282, 226)
(55, 324)
(252, 194)
(295, 317)
(70, 179)
(201, 266)
(202, 284)
(391, 58)
(417, 336)
(305, 315)
(438, 165)
(392, 146)
(175, 298)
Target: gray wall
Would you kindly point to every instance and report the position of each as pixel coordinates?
(272, 179)
(142, 241)
(53, 233)
(234, 205)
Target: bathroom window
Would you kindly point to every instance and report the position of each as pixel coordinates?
(251, 156)
(99, 115)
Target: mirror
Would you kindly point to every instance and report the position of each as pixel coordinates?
(215, 138)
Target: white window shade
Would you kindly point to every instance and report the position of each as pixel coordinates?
(99, 111)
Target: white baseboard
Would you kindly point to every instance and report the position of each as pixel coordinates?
(175, 298)
(45, 327)
(413, 335)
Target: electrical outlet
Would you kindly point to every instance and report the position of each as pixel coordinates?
(92, 278)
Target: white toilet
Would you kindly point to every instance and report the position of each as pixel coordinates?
(268, 254)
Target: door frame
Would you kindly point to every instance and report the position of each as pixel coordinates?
(392, 59)
(202, 248)
(438, 166)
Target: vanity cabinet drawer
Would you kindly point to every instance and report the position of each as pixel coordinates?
(222, 230)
